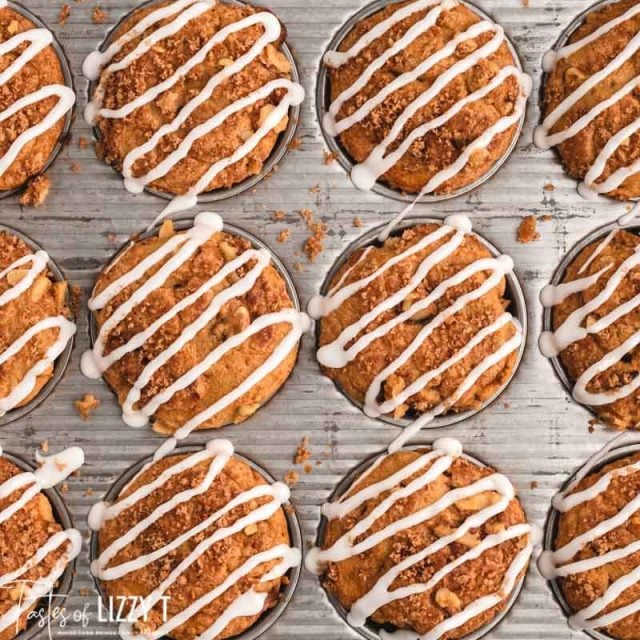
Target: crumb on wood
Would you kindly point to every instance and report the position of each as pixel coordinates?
(45, 446)
(357, 222)
(315, 188)
(83, 142)
(547, 217)
(75, 297)
(99, 15)
(278, 215)
(534, 484)
(329, 157)
(64, 487)
(593, 423)
(314, 245)
(37, 191)
(308, 468)
(64, 14)
(291, 478)
(84, 592)
(295, 144)
(299, 267)
(284, 235)
(528, 230)
(549, 186)
(86, 405)
(89, 491)
(303, 453)
(525, 3)
(76, 167)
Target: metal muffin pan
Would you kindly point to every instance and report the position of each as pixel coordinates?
(513, 293)
(269, 617)
(181, 224)
(69, 82)
(279, 150)
(61, 363)
(323, 101)
(61, 591)
(371, 630)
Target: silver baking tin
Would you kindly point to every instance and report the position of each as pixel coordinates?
(513, 293)
(371, 630)
(577, 22)
(68, 80)
(181, 224)
(553, 521)
(323, 101)
(63, 586)
(282, 144)
(269, 617)
(547, 314)
(60, 365)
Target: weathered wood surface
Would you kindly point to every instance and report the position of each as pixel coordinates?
(534, 433)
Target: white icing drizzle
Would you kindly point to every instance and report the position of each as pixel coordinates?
(54, 470)
(425, 470)
(37, 40)
(217, 453)
(552, 343)
(179, 249)
(544, 139)
(381, 160)
(352, 341)
(98, 65)
(559, 564)
(66, 330)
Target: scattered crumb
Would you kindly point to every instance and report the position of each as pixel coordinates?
(89, 492)
(85, 592)
(357, 222)
(299, 267)
(527, 231)
(284, 235)
(547, 217)
(76, 167)
(307, 216)
(506, 404)
(45, 446)
(278, 215)
(64, 487)
(291, 478)
(99, 15)
(83, 143)
(303, 452)
(549, 187)
(534, 484)
(64, 14)
(593, 423)
(37, 191)
(85, 406)
(112, 237)
(329, 157)
(295, 144)
(75, 303)
(315, 188)
(525, 3)
(308, 468)
(314, 245)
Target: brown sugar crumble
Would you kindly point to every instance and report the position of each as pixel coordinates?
(303, 452)
(314, 245)
(37, 191)
(44, 446)
(291, 478)
(64, 487)
(534, 484)
(549, 187)
(87, 405)
(357, 222)
(89, 492)
(83, 143)
(99, 15)
(295, 144)
(329, 158)
(64, 14)
(527, 231)
(278, 215)
(76, 167)
(284, 235)
(315, 189)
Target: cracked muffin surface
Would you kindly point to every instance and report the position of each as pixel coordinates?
(120, 136)
(350, 579)
(43, 70)
(442, 146)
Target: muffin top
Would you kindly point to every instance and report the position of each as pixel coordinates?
(425, 99)
(29, 530)
(210, 538)
(596, 553)
(32, 96)
(34, 322)
(191, 96)
(592, 105)
(196, 328)
(596, 321)
(419, 537)
(418, 325)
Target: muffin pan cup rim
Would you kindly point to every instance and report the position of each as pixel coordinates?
(63, 360)
(269, 617)
(63, 517)
(67, 73)
(547, 312)
(323, 99)
(562, 40)
(514, 293)
(278, 152)
(181, 224)
(553, 519)
(371, 629)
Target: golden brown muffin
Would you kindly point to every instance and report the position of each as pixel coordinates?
(21, 536)
(268, 295)
(442, 146)
(578, 356)
(119, 136)
(444, 342)
(215, 564)
(582, 589)
(352, 578)
(44, 69)
(45, 298)
(579, 152)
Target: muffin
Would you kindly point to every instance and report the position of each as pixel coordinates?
(195, 328)
(595, 557)
(35, 325)
(595, 321)
(424, 100)
(191, 97)
(33, 99)
(418, 325)
(446, 532)
(591, 106)
(210, 542)
(32, 529)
